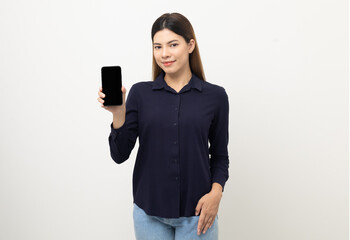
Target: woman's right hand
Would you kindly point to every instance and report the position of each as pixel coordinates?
(116, 110)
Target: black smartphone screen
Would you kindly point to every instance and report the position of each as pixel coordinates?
(111, 85)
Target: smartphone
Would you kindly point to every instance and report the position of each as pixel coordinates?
(111, 85)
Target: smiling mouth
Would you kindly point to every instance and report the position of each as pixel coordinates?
(169, 62)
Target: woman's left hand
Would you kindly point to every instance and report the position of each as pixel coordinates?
(208, 205)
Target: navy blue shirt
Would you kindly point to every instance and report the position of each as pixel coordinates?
(175, 166)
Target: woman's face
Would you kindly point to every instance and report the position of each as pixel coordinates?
(170, 47)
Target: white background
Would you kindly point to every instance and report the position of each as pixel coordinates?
(284, 65)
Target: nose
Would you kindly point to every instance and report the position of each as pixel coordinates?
(165, 52)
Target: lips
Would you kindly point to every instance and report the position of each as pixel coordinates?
(168, 63)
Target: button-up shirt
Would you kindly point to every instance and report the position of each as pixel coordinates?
(183, 138)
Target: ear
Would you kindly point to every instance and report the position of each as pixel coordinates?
(191, 46)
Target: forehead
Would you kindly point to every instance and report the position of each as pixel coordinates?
(165, 35)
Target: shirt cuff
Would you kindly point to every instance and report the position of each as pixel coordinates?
(118, 131)
(220, 181)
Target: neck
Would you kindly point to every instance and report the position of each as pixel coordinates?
(178, 79)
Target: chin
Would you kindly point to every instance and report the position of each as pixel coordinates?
(167, 70)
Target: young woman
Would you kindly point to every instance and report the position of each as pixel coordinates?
(177, 180)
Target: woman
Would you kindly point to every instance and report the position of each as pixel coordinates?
(177, 186)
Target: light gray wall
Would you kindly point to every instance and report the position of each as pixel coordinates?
(282, 63)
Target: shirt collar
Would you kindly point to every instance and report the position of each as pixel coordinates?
(195, 82)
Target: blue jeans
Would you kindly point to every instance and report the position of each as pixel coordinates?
(184, 228)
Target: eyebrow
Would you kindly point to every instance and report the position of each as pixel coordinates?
(168, 42)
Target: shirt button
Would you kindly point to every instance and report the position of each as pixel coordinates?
(176, 178)
(174, 142)
(175, 108)
(175, 160)
(175, 124)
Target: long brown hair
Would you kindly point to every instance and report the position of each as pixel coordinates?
(180, 25)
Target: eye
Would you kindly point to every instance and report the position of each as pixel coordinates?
(174, 44)
(156, 47)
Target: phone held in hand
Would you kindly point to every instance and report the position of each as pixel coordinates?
(111, 85)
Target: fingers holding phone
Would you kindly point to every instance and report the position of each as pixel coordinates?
(115, 109)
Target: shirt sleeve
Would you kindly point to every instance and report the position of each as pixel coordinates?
(122, 140)
(218, 139)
